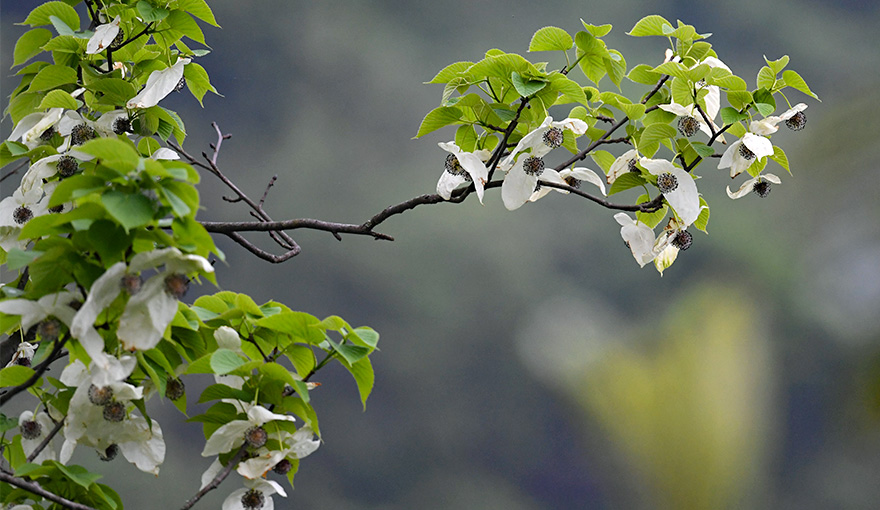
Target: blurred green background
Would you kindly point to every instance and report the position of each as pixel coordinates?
(527, 362)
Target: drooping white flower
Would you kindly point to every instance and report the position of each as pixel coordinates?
(298, 445)
(743, 152)
(543, 139)
(461, 167)
(624, 164)
(570, 176)
(258, 493)
(638, 236)
(40, 424)
(153, 304)
(48, 167)
(32, 126)
(232, 434)
(23, 354)
(159, 84)
(689, 116)
(101, 415)
(678, 188)
(113, 123)
(760, 185)
(103, 36)
(20, 207)
(670, 242)
(767, 125)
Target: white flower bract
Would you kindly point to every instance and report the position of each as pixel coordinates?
(733, 159)
(749, 185)
(159, 84)
(684, 199)
(472, 163)
(103, 36)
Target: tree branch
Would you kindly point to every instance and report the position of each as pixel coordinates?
(35, 488)
(42, 446)
(38, 372)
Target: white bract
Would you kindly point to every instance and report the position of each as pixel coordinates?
(689, 110)
(103, 36)
(767, 126)
(32, 126)
(159, 84)
(232, 434)
(534, 142)
(622, 165)
(749, 185)
(638, 236)
(463, 167)
(756, 147)
(684, 198)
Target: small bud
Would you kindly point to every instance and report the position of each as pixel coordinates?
(117, 41)
(109, 454)
(683, 240)
(533, 166)
(176, 284)
(82, 133)
(797, 121)
(174, 389)
(745, 152)
(761, 188)
(667, 183)
(253, 499)
(22, 214)
(553, 137)
(131, 283)
(100, 396)
(67, 166)
(30, 429)
(114, 412)
(688, 126)
(283, 467)
(49, 329)
(256, 437)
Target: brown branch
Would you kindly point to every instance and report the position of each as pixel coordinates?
(35, 488)
(239, 455)
(42, 446)
(38, 372)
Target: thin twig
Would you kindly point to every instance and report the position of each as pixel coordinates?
(38, 372)
(35, 488)
(239, 455)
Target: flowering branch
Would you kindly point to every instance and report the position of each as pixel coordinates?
(35, 488)
(42, 446)
(38, 372)
(222, 475)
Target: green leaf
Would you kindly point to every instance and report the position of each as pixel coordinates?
(61, 27)
(131, 210)
(59, 99)
(551, 39)
(362, 371)
(777, 65)
(738, 99)
(115, 91)
(30, 45)
(149, 13)
(764, 102)
(15, 375)
(41, 15)
(656, 133)
(526, 87)
(730, 115)
(702, 221)
(365, 336)
(438, 118)
(197, 81)
(651, 219)
(450, 72)
(113, 152)
(52, 76)
(186, 25)
(702, 149)
(277, 372)
(766, 78)
(596, 31)
(625, 182)
(644, 74)
(794, 80)
(77, 474)
(604, 159)
(651, 25)
(7, 423)
(780, 157)
(16, 258)
(298, 325)
(199, 9)
(466, 138)
(350, 353)
(224, 361)
(221, 391)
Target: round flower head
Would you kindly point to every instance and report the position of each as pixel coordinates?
(256, 494)
(768, 125)
(233, 433)
(543, 139)
(35, 428)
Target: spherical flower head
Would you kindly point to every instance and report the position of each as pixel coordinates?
(176, 285)
(283, 467)
(256, 437)
(67, 166)
(533, 166)
(688, 126)
(82, 133)
(553, 137)
(253, 499)
(683, 240)
(797, 121)
(131, 283)
(256, 494)
(49, 329)
(667, 182)
(543, 139)
(180, 84)
(762, 188)
(768, 125)
(22, 214)
(114, 412)
(174, 389)
(232, 434)
(121, 125)
(100, 395)
(30, 429)
(109, 453)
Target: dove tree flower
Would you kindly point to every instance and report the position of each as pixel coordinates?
(35, 429)
(255, 494)
(570, 176)
(625, 163)
(745, 151)
(35, 128)
(103, 36)
(760, 185)
(638, 237)
(284, 445)
(678, 188)
(159, 84)
(461, 167)
(767, 125)
(236, 432)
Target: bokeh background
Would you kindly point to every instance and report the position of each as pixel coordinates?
(526, 361)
